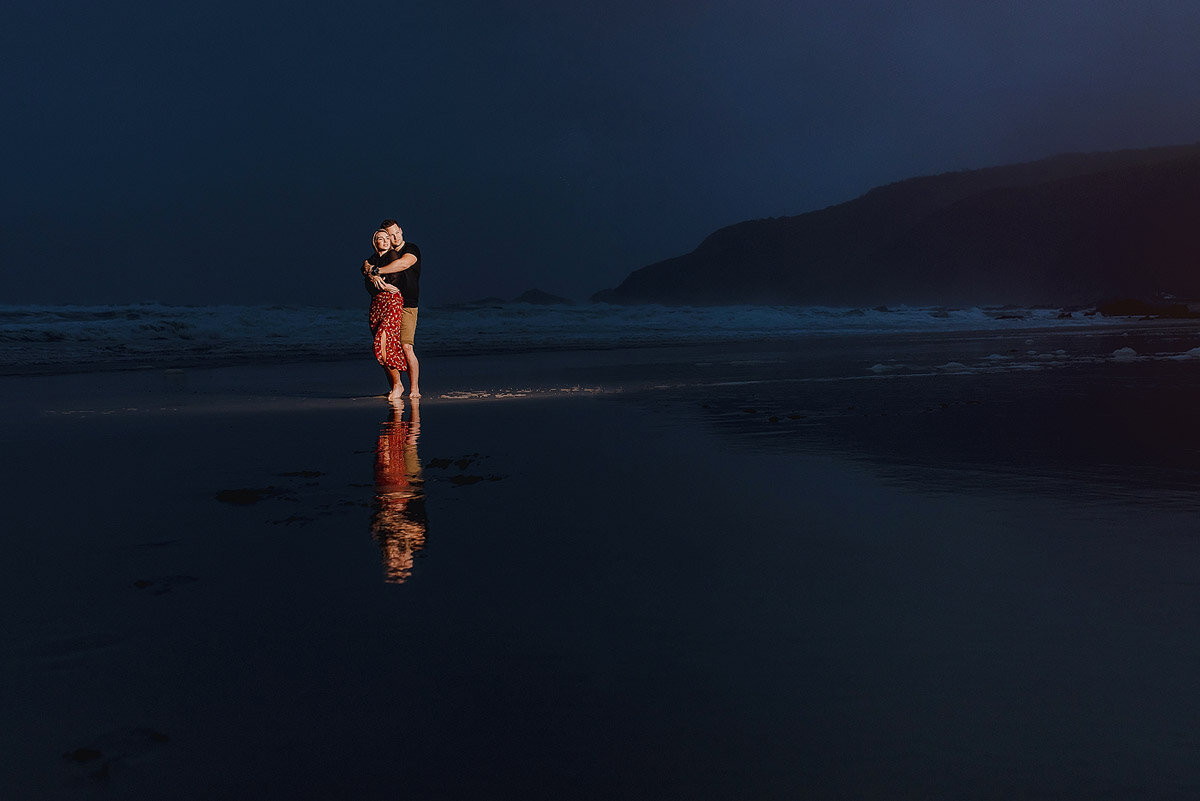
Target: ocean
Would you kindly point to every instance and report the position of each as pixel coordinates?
(46, 339)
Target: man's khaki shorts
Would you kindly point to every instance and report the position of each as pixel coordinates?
(408, 326)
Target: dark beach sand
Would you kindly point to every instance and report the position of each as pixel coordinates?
(919, 567)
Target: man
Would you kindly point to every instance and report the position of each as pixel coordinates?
(406, 272)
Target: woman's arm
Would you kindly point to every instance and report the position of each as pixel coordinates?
(375, 279)
(383, 285)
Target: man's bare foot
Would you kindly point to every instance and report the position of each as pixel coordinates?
(414, 393)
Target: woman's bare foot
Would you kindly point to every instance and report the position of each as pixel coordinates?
(393, 378)
(414, 394)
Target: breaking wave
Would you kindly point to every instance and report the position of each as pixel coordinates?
(47, 339)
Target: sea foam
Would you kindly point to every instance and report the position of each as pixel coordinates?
(71, 338)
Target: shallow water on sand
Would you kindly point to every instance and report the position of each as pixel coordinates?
(645, 592)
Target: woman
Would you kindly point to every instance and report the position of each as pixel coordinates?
(387, 306)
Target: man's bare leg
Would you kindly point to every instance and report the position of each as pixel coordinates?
(413, 369)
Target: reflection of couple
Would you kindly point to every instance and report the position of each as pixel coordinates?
(393, 276)
(398, 523)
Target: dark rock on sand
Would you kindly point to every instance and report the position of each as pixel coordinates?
(96, 760)
(246, 496)
(468, 480)
(465, 481)
(163, 585)
(82, 755)
(293, 520)
(461, 462)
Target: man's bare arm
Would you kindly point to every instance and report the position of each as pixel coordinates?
(398, 265)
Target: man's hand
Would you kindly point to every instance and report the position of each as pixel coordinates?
(366, 267)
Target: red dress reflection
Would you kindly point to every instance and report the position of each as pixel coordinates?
(399, 521)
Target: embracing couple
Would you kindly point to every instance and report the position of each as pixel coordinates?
(393, 276)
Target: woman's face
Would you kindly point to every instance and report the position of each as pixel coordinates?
(382, 241)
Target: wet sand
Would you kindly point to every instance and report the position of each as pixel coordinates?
(763, 572)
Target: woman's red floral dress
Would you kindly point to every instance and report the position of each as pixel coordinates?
(386, 308)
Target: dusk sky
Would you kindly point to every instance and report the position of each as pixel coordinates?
(222, 152)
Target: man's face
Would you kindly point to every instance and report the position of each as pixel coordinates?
(396, 234)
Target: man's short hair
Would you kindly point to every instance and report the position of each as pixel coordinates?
(387, 223)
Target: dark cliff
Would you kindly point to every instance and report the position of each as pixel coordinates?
(1069, 230)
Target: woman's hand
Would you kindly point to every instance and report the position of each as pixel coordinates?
(383, 286)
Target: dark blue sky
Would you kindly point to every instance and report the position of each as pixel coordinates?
(243, 152)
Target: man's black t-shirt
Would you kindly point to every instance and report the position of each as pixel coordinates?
(382, 260)
(409, 281)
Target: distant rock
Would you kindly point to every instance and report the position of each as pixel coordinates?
(532, 296)
(1071, 230)
(1125, 355)
(472, 304)
(540, 298)
(1140, 308)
